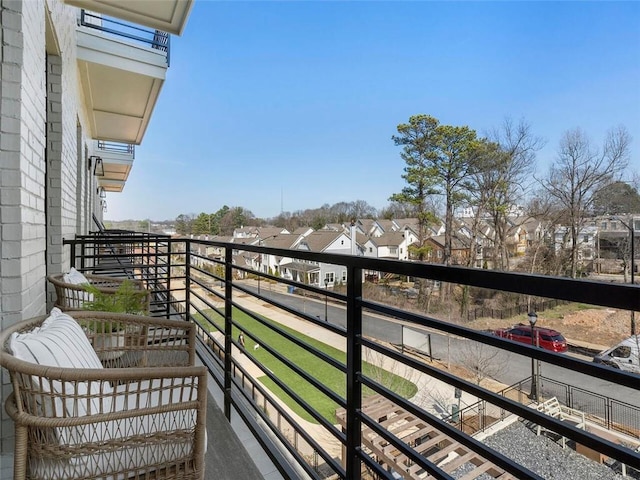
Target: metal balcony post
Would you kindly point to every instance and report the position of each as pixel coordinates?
(168, 281)
(228, 330)
(187, 279)
(354, 365)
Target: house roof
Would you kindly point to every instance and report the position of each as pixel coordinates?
(264, 232)
(456, 243)
(302, 231)
(319, 240)
(301, 266)
(335, 227)
(391, 239)
(285, 240)
(386, 225)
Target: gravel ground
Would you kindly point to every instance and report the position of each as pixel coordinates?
(544, 456)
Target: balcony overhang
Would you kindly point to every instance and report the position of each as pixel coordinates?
(121, 83)
(117, 163)
(166, 15)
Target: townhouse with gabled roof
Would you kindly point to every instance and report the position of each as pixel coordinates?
(459, 250)
(271, 264)
(258, 232)
(314, 273)
(393, 245)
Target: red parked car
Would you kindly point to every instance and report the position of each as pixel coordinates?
(548, 338)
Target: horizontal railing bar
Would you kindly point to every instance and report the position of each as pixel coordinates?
(294, 311)
(155, 263)
(292, 338)
(624, 378)
(597, 443)
(431, 468)
(596, 293)
(278, 459)
(289, 391)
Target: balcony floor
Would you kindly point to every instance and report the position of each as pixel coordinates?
(232, 450)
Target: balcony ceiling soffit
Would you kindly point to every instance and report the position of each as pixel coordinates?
(115, 171)
(119, 100)
(111, 185)
(166, 15)
(119, 103)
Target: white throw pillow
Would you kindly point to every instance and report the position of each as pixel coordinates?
(76, 299)
(60, 342)
(74, 277)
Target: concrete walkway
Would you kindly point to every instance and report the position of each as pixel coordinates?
(433, 395)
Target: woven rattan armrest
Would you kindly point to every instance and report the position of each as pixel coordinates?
(70, 296)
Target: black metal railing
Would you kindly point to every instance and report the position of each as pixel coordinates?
(117, 147)
(207, 282)
(150, 38)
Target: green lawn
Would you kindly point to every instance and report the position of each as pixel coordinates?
(324, 373)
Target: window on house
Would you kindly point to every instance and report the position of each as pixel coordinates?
(370, 249)
(636, 225)
(393, 250)
(439, 253)
(603, 225)
(328, 278)
(344, 276)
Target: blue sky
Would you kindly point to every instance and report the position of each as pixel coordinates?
(291, 105)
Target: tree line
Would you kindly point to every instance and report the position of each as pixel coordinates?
(454, 167)
(449, 167)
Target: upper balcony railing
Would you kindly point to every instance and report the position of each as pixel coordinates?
(155, 39)
(324, 371)
(117, 147)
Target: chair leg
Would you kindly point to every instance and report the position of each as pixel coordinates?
(20, 453)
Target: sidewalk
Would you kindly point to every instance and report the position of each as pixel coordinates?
(430, 390)
(427, 386)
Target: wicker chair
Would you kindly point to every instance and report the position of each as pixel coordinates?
(140, 413)
(71, 297)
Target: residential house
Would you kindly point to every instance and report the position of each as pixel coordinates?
(303, 231)
(587, 243)
(517, 236)
(394, 245)
(616, 242)
(272, 263)
(369, 227)
(319, 274)
(258, 232)
(459, 250)
(387, 225)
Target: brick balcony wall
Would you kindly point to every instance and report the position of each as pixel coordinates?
(41, 115)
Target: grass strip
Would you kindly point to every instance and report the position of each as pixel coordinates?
(329, 376)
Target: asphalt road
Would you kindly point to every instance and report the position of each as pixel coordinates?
(449, 348)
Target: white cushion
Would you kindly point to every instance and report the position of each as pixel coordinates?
(133, 454)
(60, 342)
(74, 277)
(76, 299)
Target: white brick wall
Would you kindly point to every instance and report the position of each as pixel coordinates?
(30, 243)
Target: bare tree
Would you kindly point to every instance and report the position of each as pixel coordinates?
(483, 361)
(506, 181)
(579, 172)
(394, 375)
